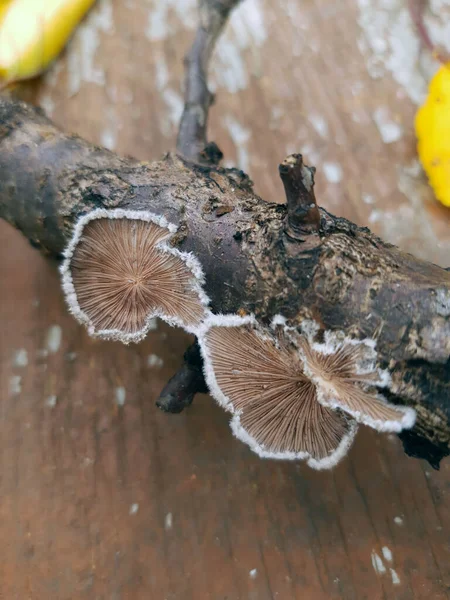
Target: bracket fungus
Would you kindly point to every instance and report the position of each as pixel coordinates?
(119, 272)
(293, 398)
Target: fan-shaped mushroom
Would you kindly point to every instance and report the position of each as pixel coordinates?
(119, 272)
(275, 410)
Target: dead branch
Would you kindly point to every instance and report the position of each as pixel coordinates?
(192, 142)
(261, 258)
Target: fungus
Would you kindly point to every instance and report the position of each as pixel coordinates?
(346, 376)
(260, 379)
(119, 272)
(292, 397)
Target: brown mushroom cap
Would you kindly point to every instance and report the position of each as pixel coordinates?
(120, 272)
(346, 377)
(261, 380)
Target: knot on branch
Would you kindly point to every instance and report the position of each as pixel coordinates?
(303, 217)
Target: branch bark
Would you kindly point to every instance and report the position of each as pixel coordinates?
(267, 259)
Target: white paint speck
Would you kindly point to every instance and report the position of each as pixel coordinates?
(377, 564)
(54, 337)
(51, 401)
(253, 573)
(161, 23)
(108, 138)
(390, 43)
(368, 199)
(84, 45)
(168, 521)
(21, 358)
(161, 73)
(120, 395)
(332, 172)
(395, 577)
(47, 103)
(387, 553)
(15, 385)
(390, 131)
(240, 136)
(237, 57)
(133, 509)
(319, 124)
(175, 104)
(154, 361)
(375, 216)
(398, 520)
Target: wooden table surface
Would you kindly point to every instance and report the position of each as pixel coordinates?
(103, 497)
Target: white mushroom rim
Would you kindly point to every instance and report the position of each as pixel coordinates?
(179, 275)
(342, 371)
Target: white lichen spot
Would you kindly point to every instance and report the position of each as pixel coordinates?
(134, 508)
(398, 520)
(21, 358)
(395, 578)
(240, 136)
(51, 401)
(387, 554)
(154, 361)
(54, 337)
(390, 131)
(377, 564)
(15, 385)
(120, 395)
(332, 172)
(319, 124)
(368, 199)
(253, 573)
(168, 521)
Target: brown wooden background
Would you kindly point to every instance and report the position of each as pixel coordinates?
(102, 496)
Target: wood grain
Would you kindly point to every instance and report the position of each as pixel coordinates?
(121, 502)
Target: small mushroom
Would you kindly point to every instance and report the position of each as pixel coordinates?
(120, 271)
(346, 376)
(261, 380)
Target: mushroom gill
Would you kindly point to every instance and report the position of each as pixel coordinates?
(120, 272)
(346, 377)
(261, 380)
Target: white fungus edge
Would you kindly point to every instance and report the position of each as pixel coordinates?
(188, 258)
(405, 422)
(327, 462)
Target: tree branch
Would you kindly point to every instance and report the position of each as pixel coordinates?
(180, 390)
(192, 141)
(296, 260)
